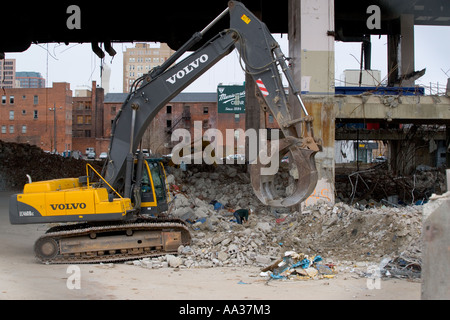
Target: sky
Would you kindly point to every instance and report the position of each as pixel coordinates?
(79, 66)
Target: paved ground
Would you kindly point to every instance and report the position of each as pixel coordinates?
(21, 277)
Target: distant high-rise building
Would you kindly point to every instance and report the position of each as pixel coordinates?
(8, 73)
(141, 59)
(30, 79)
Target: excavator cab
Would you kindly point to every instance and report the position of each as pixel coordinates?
(154, 189)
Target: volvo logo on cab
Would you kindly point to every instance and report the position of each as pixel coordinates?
(68, 206)
(188, 69)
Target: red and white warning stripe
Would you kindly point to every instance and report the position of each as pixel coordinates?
(262, 87)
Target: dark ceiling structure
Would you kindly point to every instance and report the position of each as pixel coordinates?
(174, 22)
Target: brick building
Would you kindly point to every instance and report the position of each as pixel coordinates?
(182, 112)
(28, 116)
(89, 127)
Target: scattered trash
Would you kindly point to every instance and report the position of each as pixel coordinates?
(298, 266)
(217, 205)
(401, 267)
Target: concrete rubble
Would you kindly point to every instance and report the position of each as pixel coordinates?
(345, 236)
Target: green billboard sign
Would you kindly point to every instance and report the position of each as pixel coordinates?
(231, 99)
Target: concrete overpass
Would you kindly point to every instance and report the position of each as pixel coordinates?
(397, 109)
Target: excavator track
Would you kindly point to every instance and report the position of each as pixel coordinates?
(114, 242)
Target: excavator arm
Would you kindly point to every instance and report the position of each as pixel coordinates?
(263, 61)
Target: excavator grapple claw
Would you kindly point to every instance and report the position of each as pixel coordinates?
(264, 184)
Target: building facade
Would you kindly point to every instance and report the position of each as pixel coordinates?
(195, 112)
(141, 59)
(88, 121)
(40, 116)
(8, 73)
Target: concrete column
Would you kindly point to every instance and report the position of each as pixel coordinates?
(393, 59)
(407, 48)
(401, 53)
(312, 53)
(435, 251)
(447, 144)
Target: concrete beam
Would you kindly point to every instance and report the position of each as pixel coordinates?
(404, 109)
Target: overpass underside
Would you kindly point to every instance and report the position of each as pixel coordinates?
(414, 129)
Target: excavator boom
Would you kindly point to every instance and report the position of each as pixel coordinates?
(263, 59)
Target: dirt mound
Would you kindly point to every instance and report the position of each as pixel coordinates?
(18, 159)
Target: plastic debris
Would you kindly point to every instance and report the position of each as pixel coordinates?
(298, 266)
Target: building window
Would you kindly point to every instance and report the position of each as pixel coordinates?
(11, 99)
(35, 114)
(169, 123)
(80, 119)
(11, 129)
(270, 118)
(24, 129)
(236, 117)
(3, 129)
(11, 115)
(3, 99)
(88, 119)
(35, 99)
(87, 133)
(205, 110)
(169, 109)
(24, 112)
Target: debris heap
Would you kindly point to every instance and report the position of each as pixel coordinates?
(338, 233)
(18, 159)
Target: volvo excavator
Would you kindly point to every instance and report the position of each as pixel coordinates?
(123, 215)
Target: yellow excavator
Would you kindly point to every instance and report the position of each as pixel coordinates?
(121, 215)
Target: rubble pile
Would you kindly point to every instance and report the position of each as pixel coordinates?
(337, 232)
(18, 159)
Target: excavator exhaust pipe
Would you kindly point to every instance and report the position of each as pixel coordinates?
(303, 159)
